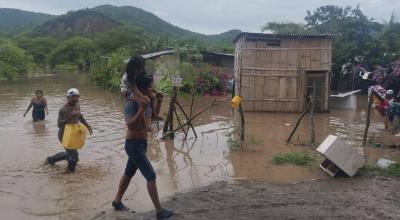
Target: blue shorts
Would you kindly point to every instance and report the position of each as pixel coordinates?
(136, 150)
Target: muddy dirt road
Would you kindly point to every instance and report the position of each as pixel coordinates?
(360, 198)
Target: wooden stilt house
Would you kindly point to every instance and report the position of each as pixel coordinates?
(277, 72)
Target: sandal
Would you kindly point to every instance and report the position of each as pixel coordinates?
(164, 213)
(119, 206)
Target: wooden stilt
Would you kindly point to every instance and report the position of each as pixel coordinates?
(179, 122)
(368, 120)
(242, 123)
(190, 120)
(187, 118)
(298, 122)
(312, 125)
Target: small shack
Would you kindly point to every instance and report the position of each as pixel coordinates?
(276, 72)
(160, 62)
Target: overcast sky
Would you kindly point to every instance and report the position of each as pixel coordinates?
(215, 16)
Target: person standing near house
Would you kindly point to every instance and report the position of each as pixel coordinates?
(39, 104)
(138, 113)
(70, 113)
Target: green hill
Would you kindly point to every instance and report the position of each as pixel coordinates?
(83, 22)
(145, 20)
(15, 21)
(102, 19)
(154, 25)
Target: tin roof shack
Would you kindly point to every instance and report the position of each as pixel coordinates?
(222, 66)
(276, 72)
(223, 61)
(161, 63)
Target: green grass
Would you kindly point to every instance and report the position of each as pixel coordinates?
(392, 171)
(296, 158)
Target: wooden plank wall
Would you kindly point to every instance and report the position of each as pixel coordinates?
(271, 78)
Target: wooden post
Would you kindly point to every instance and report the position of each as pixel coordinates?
(368, 120)
(191, 119)
(241, 123)
(312, 125)
(191, 105)
(187, 119)
(298, 122)
(169, 126)
(179, 122)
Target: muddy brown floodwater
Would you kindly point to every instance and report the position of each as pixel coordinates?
(31, 190)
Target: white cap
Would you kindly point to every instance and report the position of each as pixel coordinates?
(72, 92)
(389, 92)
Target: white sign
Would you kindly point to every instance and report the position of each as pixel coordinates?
(176, 81)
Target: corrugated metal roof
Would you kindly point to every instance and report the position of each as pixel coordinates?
(157, 54)
(269, 36)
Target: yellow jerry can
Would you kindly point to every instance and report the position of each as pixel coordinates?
(74, 136)
(235, 101)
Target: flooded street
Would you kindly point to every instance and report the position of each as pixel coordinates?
(31, 190)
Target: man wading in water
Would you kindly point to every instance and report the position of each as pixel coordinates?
(70, 113)
(138, 113)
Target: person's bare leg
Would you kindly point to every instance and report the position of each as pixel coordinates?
(152, 189)
(123, 185)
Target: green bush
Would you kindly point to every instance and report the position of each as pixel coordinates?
(107, 70)
(392, 171)
(14, 62)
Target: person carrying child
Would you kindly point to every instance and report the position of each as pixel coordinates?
(134, 69)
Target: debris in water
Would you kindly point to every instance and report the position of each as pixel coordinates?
(340, 157)
(384, 163)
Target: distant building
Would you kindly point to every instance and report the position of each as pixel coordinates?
(161, 62)
(222, 65)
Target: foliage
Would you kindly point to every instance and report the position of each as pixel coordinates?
(76, 50)
(14, 62)
(37, 47)
(207, 83)
(297, 158)
(361, 39)
(83, 22)
(388, 78)
(15, 21)
(108, 69)
(392, 171)
(125, 36)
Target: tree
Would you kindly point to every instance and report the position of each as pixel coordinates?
(39, 48)
(390, 39)
(358, 34)
(325, 19)
(77, 50)
(126, 36)
(107, 70)
(14, 62)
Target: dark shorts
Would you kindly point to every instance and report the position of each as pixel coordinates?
(136, 150)
(38, 115)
